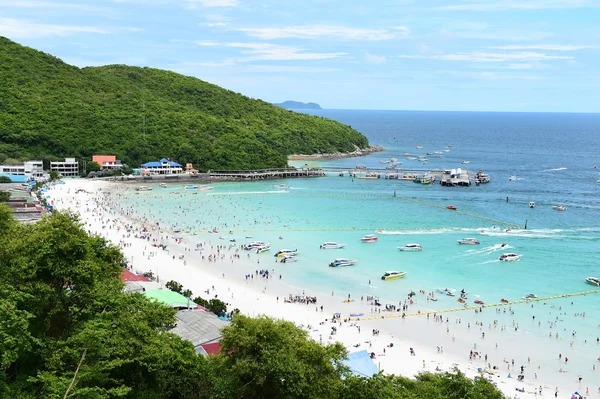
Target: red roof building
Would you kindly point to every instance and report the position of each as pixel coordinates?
(128, 276)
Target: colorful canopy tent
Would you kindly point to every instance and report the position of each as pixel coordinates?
(360, 364)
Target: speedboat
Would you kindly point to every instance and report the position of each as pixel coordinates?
(392, 275)
(144, 188)
(509, 257)
(505, 301)
(163, 185)
(411, 248)
(332, 245)
(532, 204)
(559, 208)
(512, 178)
(369, 238)
(263, 248)
(255, 244)
(190, 187)
(451, 207)
(466, 162)
(282, 186)
(469, 241)
(288, 259)
(361, 166)
(593, 280)
(479, 302)
(285, 252)
(529, 296)
(419, 147)
(205, 188)
(341, 262)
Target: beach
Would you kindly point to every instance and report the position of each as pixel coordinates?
(495, 339)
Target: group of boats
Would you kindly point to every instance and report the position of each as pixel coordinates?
(185, 187)
(283, 255)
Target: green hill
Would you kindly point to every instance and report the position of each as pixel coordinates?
(50, 109)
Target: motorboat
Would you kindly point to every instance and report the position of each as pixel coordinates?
(469, 241)
(529, 296)
(255, 244)
(285, 252)
(505, 301)
(263, 248)
(593, 280)
(369, 176)
(144, 188)
(461, 300)
(532, 204)
(512, 178)
(163, 185)
(479, 302)
(419, 147)
(391, 166)
(384, 161)
(411, 248)
(341, 262)
(361, 166)
(369, 238)
(288, 259)
(451, 207)
(190, 187)
(508, 257)
(466, 162)
(559, 208)
(204, 187)
(392, 275)
(281, 186)
(331, 245)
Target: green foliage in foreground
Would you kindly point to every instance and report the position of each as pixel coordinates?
(67, 330)
(50, 109)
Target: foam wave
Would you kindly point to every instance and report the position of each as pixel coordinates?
(554, 169)
(249, 192)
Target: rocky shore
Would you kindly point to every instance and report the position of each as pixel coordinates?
(358, 152)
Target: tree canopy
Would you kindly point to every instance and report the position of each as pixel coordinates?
(50, 110)
(67, 330)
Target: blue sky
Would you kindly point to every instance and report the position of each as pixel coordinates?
(467, 55)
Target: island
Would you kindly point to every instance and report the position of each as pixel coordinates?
(298, 105)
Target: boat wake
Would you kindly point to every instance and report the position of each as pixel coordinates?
(554, 169)
(490, 249)
(248, 192)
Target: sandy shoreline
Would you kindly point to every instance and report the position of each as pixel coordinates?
(359, 152)
(256, 295)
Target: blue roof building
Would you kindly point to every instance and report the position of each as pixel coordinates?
(162, 167)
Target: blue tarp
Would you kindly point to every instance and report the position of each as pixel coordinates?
(361, 364)
(16, 178)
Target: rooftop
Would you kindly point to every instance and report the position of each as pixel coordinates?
(199, 327)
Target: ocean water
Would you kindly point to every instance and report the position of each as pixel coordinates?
(552, 156)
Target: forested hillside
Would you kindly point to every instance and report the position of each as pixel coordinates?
(50, 109)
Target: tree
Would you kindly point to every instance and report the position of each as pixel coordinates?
(5, 179)
(67, 326)
(93, 167)
(54, 175)
(266, 358)
(4, 196)
(174, 286)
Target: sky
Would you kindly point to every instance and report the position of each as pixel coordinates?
(462, 55)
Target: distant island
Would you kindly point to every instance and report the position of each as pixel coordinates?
(297, 105)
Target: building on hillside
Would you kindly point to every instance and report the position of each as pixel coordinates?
(107, 162)
(31, 169)
(68, 168)
(162, 167)
(189, 168)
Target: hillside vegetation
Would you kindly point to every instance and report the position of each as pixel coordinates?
(50, 109)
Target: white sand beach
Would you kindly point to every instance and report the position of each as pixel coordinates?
(437, 344)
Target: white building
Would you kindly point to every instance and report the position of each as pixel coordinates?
(68, 168)
(30, 169)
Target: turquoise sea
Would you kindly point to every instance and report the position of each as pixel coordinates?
(552, 156)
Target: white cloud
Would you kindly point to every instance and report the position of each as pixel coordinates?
(498, 5)
(520, 66)
(491, 57)
(213, 24)
(543, 47)
(207, 43)
(319, 31)
(48, 4)
(290, 68)
(23, 29)
(375, 59)
(215, 3)
(272, 52)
